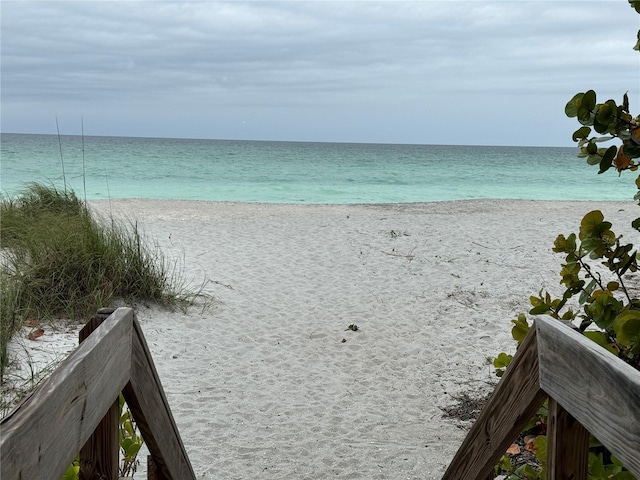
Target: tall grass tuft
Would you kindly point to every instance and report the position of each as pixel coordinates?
(58, 261)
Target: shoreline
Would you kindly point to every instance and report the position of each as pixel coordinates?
(382, 204)
(272, 383)
(123, 205)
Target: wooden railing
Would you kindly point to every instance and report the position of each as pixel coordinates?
(72, 411)
(589, 390)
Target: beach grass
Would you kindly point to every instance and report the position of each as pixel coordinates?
(60, 261)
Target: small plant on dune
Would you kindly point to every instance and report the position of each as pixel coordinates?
(598, 274)
(130, 443)
(58, 261)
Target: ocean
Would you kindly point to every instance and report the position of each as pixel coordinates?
(300, 172)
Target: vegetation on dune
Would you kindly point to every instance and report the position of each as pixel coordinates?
(599, 275)
(59, 261)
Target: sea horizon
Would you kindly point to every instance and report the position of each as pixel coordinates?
(257, 140)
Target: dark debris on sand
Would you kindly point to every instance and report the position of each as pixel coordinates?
(467, 409)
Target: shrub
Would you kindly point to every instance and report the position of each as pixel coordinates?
(598, 274)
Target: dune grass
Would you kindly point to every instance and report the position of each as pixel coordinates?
(59, 261)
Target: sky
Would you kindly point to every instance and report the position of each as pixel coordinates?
(476, 72)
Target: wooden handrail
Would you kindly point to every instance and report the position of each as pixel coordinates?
(601, 391)
(588, 388)
(515, 400)
(40, 438)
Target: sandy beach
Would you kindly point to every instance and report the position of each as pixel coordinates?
(271, 383)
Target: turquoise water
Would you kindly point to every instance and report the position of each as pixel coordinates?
(299, 172)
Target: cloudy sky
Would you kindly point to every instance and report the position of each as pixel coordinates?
(435, 72)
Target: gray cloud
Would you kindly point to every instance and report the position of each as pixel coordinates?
(392, 71)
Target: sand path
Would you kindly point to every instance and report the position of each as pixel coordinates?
(270, 383)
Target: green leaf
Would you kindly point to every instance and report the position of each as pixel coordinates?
(505, 463)
(604, 113)
(627, 328)
(527, 471)
(616, 461)
(601, 339)
(596, 235)
(599, 126)
(613, 286)
(604, 310)
(132, 450)
(536, 302)
(588, 100)
(590, 224)
(125, 443)
(571, 109)
(605, 118)
(72, 472)
(623, 476)
(593, 160)
(520, 328)
(607, 158)
(564, 244)
(582, 132)
(541, 447)
(586, 108)
(596, 466)
(631, 150)
(587, 291)
(502, 360)
(539, 310)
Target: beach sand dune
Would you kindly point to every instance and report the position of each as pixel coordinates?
(271, 383)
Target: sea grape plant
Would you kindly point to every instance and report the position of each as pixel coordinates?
(599, 272)
(601, 301)
(129, 439)
(610, 121)
(606, 297)
(130, 442)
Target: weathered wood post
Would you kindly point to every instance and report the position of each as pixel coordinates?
(567, 445)
(99, 457)
(514, 401)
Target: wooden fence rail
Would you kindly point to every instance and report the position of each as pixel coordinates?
(41, 437)
(589, 390)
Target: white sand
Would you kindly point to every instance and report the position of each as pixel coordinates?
(264, 385)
